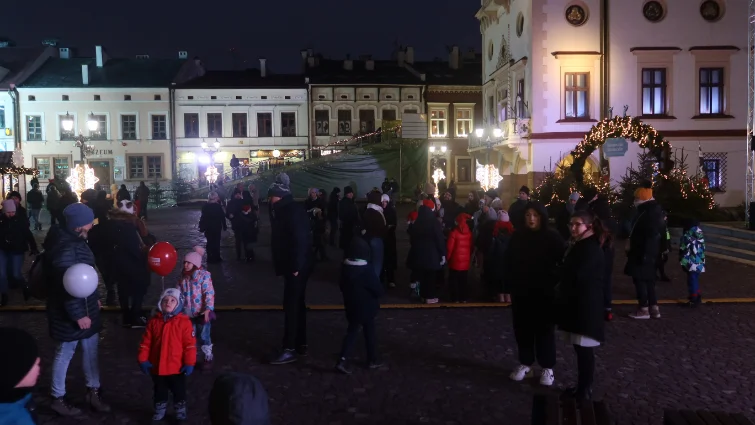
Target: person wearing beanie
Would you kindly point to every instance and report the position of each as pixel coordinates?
(375, 227)
(427, 252)
(517, 209)
(293, 259)
(16, 239)
(238, 399)
(644, 247)
(168, 353)
(361, 290)
(349, 216)
(73, 322)
(198, 294)
(20, 210)
(563, 213)
(459, 250)
(333, 201)
(19, 372)
(212, 223)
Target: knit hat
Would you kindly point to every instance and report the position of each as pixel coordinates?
(347, 190)
(9, 206)
(14, 194)
(18, 354)
(284, 179)
(336, 190)
(385, 198)
(195, 256)
(238, 398)
(524, 189)
(503, 216)
(279, 190)
(175, 293)
(374, 197)
(126, 206)
(412, 217)
(78, 215)
(429, 204)
(643, 194)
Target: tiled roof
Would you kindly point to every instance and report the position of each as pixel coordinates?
(330, 71)
(115, 73)
(245, 79)
(16, 59)
(439, 73)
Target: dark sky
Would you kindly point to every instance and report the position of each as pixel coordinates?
(225, 33)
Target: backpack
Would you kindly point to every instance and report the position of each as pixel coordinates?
(37, 285)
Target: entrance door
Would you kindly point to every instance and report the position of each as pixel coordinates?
(103, 170)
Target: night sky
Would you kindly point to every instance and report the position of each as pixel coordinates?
(234, 34)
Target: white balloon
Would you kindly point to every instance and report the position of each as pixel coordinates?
(80, 280)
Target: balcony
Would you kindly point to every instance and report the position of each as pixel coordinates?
(298, 142)
(514, 136)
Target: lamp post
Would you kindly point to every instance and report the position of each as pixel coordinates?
(80, 141)
(490, 173)
(212, 172)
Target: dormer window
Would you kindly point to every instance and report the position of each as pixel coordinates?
(367, 96)
(321, 97)
(410, 97)
(344, 97)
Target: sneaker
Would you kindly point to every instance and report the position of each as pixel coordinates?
(655, 312)
(342, 367)
(285, 357)
(640, 314)
(520, 373)
(94, 399)
(546, 377)
(180, 410)
(63, 408)
(608, 315)
(432, 301)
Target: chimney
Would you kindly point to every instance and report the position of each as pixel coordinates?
(401, 57)
(263, 68)
(369, 65)
(64, 53)
(310, 53)
(85, 74)
(183, 54)
(410, 55)
(348, 64)
(453, 58)
(101, 56)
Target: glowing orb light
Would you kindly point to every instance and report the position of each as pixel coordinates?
(211, 174)
(488, 176)
(82, 178)
(438, 175)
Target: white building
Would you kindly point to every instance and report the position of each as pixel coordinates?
(259, 117)
(128, 98)
(553, 68)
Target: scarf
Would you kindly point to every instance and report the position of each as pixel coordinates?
(377, 208)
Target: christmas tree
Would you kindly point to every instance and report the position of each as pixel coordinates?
(556, 186)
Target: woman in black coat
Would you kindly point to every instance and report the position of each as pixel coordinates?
(532, 258)
(427, 254)
(123, 194)
(390, 257)
(212, 223)
(579, 295)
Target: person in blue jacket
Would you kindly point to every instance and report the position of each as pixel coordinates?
(19, 371)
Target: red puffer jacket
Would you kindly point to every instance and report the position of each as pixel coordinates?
(459, 245)
(168, 344)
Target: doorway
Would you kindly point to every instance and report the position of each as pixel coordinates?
(103, 170)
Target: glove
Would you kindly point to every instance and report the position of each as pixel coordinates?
(186, 370)
(443, 260)
(145, 367)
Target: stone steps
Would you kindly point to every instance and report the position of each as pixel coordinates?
(724, 242)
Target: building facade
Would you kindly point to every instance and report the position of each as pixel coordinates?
(260, 118)
(129, 100)
(553, 68)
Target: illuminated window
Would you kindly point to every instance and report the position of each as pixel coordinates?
(438, 122)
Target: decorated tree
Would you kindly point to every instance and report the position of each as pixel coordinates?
(556, 186)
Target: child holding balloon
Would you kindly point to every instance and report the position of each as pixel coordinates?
(199, 299)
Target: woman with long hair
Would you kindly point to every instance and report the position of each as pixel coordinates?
(579, 295)
(473, 203)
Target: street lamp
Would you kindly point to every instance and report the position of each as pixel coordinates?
(479, 132)
(80, 141)
(276, 153)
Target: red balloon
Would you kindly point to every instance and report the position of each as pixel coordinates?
(162, 258)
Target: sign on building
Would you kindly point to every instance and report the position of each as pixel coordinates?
(615, 147)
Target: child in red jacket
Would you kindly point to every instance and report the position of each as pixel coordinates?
(169, 352)
(459, 250)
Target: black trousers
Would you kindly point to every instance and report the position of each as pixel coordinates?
(370, 340)
(131, 296)
(318, 244)
(645, 292)
(457, 282)
(608, 277)
(166, 384)
(333, 231)
(585, 366)
(242, 246)
(535, 334)
(295, 311)
(143, 210)
(660, 264)
(213, 244)
(428, 281)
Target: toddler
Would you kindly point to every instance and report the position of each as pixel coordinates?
(692, 258)
(198, 300)
(168, 353)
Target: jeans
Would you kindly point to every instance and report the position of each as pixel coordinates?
(693, 284)
(457, 281)
(645, 292)
(131, 297)
(166, 384)
(295, 310)
(202, 331)
(369, 339)
(376, 246)
(10, 268)
(585, 366)
(34, 218)
(63, 355)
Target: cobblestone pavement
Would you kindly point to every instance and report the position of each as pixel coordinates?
(256, 284)
(444, 367)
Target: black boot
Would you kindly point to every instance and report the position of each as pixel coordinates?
(285, 357)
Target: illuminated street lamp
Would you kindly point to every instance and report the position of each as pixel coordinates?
(80, 141)
(276, 153)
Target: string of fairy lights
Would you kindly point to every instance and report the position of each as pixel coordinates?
(345, 142)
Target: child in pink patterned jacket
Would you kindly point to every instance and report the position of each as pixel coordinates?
(199, 300)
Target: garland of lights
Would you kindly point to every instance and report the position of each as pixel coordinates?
(19, 170)
(82, 178)
(345, 142)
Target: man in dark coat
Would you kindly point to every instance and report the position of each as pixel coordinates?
(142, 195)
(349, 216)
(128, 265)
(35, 200)
(212, 223)
(517, 209)
(72, 321)
(375, 228)
(427, 254)
(316, 209)
(390, 252)
(291, 243)
(53, 199)
(335, 198)
(15, 240)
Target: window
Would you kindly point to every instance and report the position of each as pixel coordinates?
(97, 97)
(320, 97)
(49, 167)
(491, 110)
(464, 170)
(520, 109)
(66, 98)
(503, 105)
(366, 120)
(43, 166)
(125, 97)
(101, 132)
(653, 91)
(287, 97)
(264, 124)
(64, 135)
(437, 122)
(191, 125)
(32, 98)
(239, 123)
(263, 97)
(711, 91)
(238, 97)
(344, 122)
(576, 95)
(159, 127)
(389, 114)
(145, 167)
(33, 127)
(158, 97)
(2, 116)
(322, 122)
(61, 167)
(213, 97)
(214, 125)
(714, 168)
(463, 122)
(410, 110)
(288, 124)
(128, 127)
(190, 97)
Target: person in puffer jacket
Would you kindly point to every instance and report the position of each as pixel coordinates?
(459, 251)
(238, 399)
(168, 352)
(692, 258)
(198, 300)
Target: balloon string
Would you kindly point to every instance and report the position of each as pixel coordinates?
(163, 281)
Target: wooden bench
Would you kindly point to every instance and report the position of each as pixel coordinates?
(703, 417)
(551, 410)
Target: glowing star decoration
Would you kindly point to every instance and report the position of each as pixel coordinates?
(488, 176)
(211, 174)
(82, 178)
(438, 175)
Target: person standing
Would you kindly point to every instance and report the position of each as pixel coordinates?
(15, 240)
(236, 172)
(427, 254)
(35, 199)
(459, 250)
(692, 258)
(291, 243)
(123, 194)
(212, 223)
(53, 199)
(315, 207)
(517, 209)
(564, 213)
(142, 195)
(333, 201)
(233, 213)
(73, 321)
(375, 228)
(390, 252)
(349, 216)
(644, 248)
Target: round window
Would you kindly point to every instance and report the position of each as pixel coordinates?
(519, 25)
(653, 11)
(576, 15)
(710, 10)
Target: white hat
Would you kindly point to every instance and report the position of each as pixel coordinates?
(385, 198)
(195, 256)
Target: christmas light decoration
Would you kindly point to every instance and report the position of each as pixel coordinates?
(488, 176)
(438, 175)
(211, 174)
(82, 178)
(346, 142)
